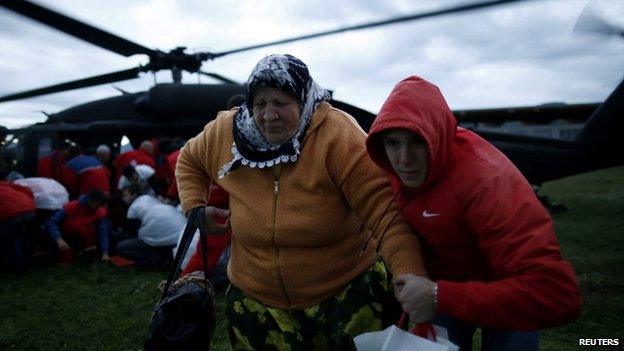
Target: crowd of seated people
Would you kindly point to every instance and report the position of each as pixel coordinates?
(92, 202)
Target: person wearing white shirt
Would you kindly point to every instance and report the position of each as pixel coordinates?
(158, 227)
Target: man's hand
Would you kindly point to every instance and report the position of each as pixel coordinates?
(62, 245)
(215, 215)
(417, 296)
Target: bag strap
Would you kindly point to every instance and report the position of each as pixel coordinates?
(424, 330)
(197, 219)
(203, 236)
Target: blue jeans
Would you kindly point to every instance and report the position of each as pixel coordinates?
(461, 333)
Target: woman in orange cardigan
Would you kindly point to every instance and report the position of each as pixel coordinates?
(304, 198)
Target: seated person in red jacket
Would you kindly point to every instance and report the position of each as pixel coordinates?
(103, 153)
(17, 213)
(142, 156)
(142, 175)
(488, 243)
(81, 224)
(54, 165)
(87, 173)
(169, 150)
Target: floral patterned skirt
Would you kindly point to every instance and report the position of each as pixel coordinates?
(330, 325)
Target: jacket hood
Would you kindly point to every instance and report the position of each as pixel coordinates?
(416, 105)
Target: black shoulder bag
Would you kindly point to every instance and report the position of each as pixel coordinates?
(184, 318)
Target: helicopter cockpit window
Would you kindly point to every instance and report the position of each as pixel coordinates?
(125, 144)
(44, 147)
(13, 151)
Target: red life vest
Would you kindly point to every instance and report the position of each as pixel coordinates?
(216, 244)
(80, 222)
(96, 178)
(54, 166)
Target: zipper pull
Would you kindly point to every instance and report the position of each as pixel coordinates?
(276, 187)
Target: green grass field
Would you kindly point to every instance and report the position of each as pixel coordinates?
(90, 306)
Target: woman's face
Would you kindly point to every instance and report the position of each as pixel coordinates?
(276, 113)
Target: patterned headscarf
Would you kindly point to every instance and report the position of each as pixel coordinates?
(286, 73)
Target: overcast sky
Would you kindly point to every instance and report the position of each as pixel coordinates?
(512, 55)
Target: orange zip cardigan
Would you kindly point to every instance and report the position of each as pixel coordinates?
(299, 228)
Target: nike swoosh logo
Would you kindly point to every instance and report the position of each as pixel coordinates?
(427, 214)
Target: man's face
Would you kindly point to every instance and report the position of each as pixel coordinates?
(148, 148)
(408, 155)
(104, 156)
(127, 197)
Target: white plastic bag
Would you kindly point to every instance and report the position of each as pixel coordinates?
(395, 339)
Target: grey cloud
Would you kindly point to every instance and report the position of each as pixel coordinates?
(519, 54)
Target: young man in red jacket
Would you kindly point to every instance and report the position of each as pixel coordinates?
(488, 244)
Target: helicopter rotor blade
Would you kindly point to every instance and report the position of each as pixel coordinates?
(80, 83)
(589, 22)
(219, 77)
(76, 28)
(456, 9)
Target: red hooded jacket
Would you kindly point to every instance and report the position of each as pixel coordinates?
(487, 240)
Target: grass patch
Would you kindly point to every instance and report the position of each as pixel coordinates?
(90, 306)
(591, 235)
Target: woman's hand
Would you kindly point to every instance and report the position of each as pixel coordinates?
(212, 217)
(417, 296)
(196, 277)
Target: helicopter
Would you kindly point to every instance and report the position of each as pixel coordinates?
(176, 109)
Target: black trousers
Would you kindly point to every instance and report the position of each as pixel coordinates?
(17, 242)
(143, 254)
